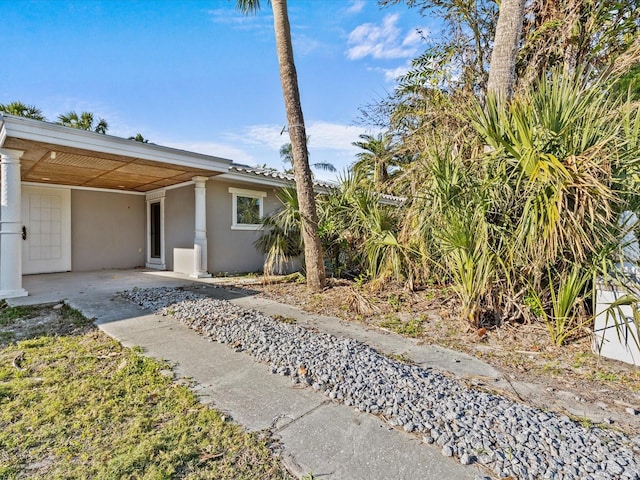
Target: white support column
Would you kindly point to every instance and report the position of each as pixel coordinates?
(10, 225)
(200, 240)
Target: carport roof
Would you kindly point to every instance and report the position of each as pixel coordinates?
(54, 154)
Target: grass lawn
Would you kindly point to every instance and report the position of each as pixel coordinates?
(82, 406)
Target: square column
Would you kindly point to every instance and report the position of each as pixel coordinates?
(10, 225)
(200, 240)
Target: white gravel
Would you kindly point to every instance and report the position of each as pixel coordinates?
(509, 438)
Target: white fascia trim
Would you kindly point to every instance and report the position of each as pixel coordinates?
(73, 187)
(249, 178)
(38, 131)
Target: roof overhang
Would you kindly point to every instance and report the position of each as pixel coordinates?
(54, 154)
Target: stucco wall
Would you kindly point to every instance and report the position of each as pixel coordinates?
(107, 230)
(179, 221)
(232, 251)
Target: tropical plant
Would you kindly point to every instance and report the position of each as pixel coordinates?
(314, 259)
(139, 138)
(84, 121)
(22, 110)
(376, 164)
(281, 240)
(561, 305)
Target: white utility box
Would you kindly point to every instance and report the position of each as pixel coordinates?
(616, 342)
(183, 260)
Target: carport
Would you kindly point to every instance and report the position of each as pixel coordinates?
(43, 164)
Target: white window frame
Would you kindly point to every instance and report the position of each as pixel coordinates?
(241, 192)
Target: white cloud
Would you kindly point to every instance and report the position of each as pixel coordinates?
(260, 20)
(304, 45)
(330, 142)
(413, 38)
(333, 136)
(265, 136)
(392, 74)
(324, 135)
(384, 41)
(355, 7)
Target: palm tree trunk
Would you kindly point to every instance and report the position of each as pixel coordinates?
(314, 259)
(505, 47)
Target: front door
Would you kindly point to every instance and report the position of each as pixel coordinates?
(46, 218)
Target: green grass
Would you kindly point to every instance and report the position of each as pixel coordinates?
(413, 328)
(9, 315)
(85, 407)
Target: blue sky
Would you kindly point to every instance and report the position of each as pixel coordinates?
(200, 76)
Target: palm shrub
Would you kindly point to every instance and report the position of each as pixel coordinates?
(522, 228)
(567, 150)
(362, 233)
(281, 240)
(451, 216)
(359, 234)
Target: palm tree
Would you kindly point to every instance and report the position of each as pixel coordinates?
(22, 110)
(314, 258)
(286, 154)
(84, 121)
(505, 47)
(373, 163)
(139, 138)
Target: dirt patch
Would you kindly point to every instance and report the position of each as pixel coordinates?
(571, 374)
(54, 319)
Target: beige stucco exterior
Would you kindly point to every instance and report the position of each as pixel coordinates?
(229, 251)
(179, 221)
(107, 230)
(232, 251)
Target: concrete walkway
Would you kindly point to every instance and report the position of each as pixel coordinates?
(318, 436)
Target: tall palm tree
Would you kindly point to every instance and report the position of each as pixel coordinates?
(22, 110)
(505, 48)
(314, 258)
(84, 121)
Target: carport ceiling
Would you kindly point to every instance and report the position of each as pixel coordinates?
(62, 165)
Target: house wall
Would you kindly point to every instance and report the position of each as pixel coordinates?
(232, 251)
(179, 221)
(107, 230)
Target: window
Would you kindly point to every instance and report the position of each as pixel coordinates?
(247, 209)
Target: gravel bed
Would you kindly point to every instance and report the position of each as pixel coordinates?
(508, 438)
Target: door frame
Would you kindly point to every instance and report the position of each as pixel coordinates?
(157, 263)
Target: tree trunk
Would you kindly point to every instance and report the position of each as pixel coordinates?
(314, 259)
(505, 47)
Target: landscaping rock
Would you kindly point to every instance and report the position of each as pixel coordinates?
(509, 437)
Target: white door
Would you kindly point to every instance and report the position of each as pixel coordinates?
(46, 216)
